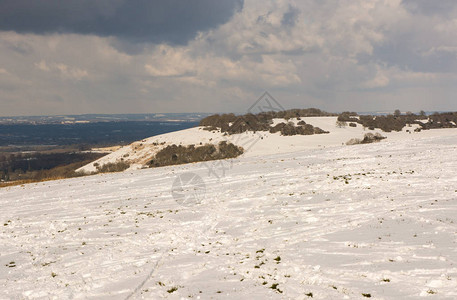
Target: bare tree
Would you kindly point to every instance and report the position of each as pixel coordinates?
(341, 124)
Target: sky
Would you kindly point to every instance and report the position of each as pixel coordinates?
(151, 56)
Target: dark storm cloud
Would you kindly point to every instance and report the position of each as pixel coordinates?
(290, 17)
(172, 21)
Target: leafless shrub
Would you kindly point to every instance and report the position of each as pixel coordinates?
(367, 139)
(341, 124)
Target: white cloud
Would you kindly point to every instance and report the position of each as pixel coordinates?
(167, 61)
(331, 54)
(63, 70)
(43, 66)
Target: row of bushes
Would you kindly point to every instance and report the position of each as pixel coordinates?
(232, 124)
(441, 120)
(176, 155)
(397, 122)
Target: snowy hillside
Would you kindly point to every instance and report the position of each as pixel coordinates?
(139, 153)
(352, 222)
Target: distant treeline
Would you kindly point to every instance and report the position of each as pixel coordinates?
(232, 124)
(40, 166)
(397, 121)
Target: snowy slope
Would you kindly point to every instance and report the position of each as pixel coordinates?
(377, 220)
(256, 144)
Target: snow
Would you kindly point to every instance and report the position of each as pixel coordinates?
(338, 222)
(139, 153)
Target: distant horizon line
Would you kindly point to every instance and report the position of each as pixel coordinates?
(198, 113)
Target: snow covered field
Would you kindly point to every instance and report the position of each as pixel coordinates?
(377, 220)
(139, 153)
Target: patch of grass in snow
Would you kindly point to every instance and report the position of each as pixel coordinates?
(274, 286)
(12, 264)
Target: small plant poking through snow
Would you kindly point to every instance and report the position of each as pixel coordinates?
(11, 264)
(367, 139)
(274, 286)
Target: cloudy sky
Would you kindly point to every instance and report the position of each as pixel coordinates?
(138, 56)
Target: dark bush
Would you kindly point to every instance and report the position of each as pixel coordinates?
(317, 130)
(113, 167)
(176, 155)
(347, 117)
(277, 128)
(211, 128)
(290, 129)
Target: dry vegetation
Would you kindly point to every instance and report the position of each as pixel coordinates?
(111, 167)
(397, 121)
(232, 124)
(367, 139)
(301, 129)
(20, 168)
(176, 155)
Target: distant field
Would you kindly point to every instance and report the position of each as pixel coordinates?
(101, 133)
(31, 153)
